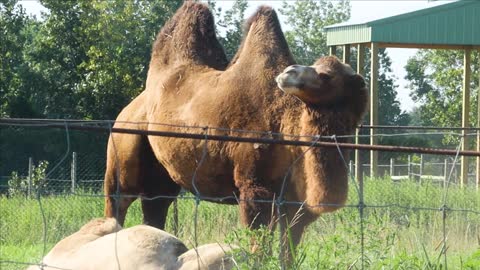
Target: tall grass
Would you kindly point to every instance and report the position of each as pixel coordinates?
(403, 228)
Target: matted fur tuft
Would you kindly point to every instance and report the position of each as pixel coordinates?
(189, 36)
(266, 26)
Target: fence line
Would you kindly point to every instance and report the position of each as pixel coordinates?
(81, 173)
(362, 204)
(262, 140)
(31, 121)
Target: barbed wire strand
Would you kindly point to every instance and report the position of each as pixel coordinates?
(49, 122)
(280, 199)
(360, 203)
(117, 196)
(362, 126)
(445, 207)
(197, 194)
(39, 191)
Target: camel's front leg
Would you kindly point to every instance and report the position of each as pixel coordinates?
(293, 221)
(255, 199)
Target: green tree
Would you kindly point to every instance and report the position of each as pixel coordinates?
(18, 99)
(435, 80)
(389, 110)
(306, 20)
(117, 38)
(229, 25)
(84, 59)
(93, 55)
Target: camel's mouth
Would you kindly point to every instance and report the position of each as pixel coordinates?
(286, 84)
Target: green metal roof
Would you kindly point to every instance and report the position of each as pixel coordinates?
(456, 23)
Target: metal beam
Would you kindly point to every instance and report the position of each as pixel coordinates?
(373, 106)
(427, 46)
(361, 71)
(465, 114)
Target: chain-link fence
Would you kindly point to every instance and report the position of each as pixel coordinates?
(85, 171)
(79, 171)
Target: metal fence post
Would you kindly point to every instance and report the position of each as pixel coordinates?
(175, 217)
(421, 168)
(392, 165)
(445, 172)
(73, 172)
(30, 177)
(350, 167)
(409, 167)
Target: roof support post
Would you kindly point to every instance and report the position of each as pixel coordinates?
(373, 106)
(361, 71)
(346, 54)
(478, 125)
(332, 50)
(465, 114)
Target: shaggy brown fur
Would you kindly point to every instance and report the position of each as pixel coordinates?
(185, 88)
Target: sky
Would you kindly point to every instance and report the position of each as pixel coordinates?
(361, 11)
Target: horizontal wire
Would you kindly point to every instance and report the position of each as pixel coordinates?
(263, 140)
(33, 122)
(154, 123)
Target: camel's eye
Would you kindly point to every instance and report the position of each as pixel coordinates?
(324, 77)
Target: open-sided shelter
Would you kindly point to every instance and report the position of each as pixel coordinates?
(452, 26)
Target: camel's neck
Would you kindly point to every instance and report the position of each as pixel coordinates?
(325, 169)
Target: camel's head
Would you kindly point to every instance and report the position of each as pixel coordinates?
(326, 82)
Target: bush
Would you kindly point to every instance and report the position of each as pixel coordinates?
(18, 185)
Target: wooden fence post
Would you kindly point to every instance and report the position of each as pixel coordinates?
(30, 177)
(73, 172)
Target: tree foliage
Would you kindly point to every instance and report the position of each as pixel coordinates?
(16, 80)
(230, 26)
(306, 20)
(435, 80)
(84, 59)
(88, 58)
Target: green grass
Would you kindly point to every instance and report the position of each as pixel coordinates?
(403, 231)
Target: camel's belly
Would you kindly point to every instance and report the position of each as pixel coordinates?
(195, 167)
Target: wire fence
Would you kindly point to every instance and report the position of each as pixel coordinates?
(408, 222)
(86, 172)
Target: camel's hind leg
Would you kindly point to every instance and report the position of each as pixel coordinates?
(125, 171)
